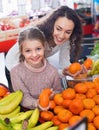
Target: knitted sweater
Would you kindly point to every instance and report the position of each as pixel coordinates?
(31, 82)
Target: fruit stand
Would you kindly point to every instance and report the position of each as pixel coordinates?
(80, 99)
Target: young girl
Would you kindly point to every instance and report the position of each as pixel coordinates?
(33, 73)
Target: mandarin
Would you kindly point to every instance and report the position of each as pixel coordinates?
(74, 67)
(81, 88)
(88, 63)
(91, 126)
(74, 119)
(91, 93)
(68, 93)
(76, 106)
(56, 121)
(96, 122)
(63, 125)
(46, 115)
(95, 109)
(58, 99)
(88, 103)
(87, 113)
(64, 115)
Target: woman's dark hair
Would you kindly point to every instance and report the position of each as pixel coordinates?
(30, 33)
(48, 25)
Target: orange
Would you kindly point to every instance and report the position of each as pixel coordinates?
(58, 99)
(96, 99)
(52, 104)
(44, 97)
(89, 84)
(97, 89)
(57, 109)
(91, 126)
(63, 125)
(46, 115)
(68, 93)
(64, 115)
(96, 122)
(74, 67)
(3, 91)
(91, 93)
(88, 103)
(80, 96)
(66, 103)
(56, 121)
(95, 109)
(76, 106)
(74, 119)
(88, 113)
(80, 88)
(88, 63)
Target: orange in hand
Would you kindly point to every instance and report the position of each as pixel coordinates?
(74, 67)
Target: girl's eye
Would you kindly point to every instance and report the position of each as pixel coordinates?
(27, 51)
(38, 49)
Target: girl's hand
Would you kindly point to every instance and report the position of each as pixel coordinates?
(42, 108)
(52, 93)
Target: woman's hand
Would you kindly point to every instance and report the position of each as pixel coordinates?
(82, 71)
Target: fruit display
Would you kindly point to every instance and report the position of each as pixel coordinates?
(12, 118)
(72, 104)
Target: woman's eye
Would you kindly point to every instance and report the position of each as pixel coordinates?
(58, 29)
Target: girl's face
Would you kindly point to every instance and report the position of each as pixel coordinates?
(63, 29)
(33, 51)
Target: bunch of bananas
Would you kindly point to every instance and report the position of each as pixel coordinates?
(95, 68)
(11, 118)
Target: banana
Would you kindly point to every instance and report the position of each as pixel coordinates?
(34, 118)
(17, 126)
(3, 127)
(95, 68)
(12, 105)
(53, 128)
(43, 126)
(9, 115)
(22, 116)
(6, 100)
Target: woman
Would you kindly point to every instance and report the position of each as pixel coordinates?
(63, 32)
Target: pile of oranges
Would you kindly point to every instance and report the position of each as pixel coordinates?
(69, 106)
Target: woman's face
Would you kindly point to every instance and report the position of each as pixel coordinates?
(63, 29)
(33, 51)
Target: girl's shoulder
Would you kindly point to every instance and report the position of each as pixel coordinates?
(18, 67)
